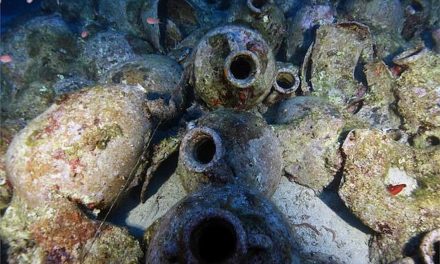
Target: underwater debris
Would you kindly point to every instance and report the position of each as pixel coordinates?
(376, 106)
(59, 232)
(81, 150)
(286, 83)
(104, 51)
(239, 55)
(385, 19)
(83, 147)
(233, 67)
(230, 147)
(418, 90)
(160, 78)
(338, 51)
(263, 16)
(43, 48)
(373, 162)
(208, 227)
(301, 27)
(314, 126)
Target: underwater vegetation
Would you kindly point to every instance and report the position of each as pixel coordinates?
(220, 131)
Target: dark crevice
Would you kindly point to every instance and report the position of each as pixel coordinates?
(436, 257)
(220, 4)
(355, 106)
(395, 109)
(161, 175)
(418, 7)
(259, 3)
(4, 247)
(395, 134)
(411, 247)
(162, 14)
(336, 183)
(433, 141)
(359, 73)
(388, 60)
(331, 198)
(309, 37)
(182, 15)
(301, 55)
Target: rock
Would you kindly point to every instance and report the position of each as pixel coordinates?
(393, 189)
(124, 16)
(60, 232)
(427, 247)
(309, 129)
(288, 6)
(385, 20)
(264, 17)
(377, 105)
(418, 16)
(83, 147)
(42, 49)
(5, 187)
(418, 90)
(30, 101)
(160, 78)
(181, 18)
(8, 129)
(300, 28)
(70, 84)
(338, 50)
(105, 51)
(426, 139)
(146, 214)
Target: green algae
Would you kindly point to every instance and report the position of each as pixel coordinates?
(373, 161)
(337, 51)
(102, 136)
(418, 91)
(34, 139)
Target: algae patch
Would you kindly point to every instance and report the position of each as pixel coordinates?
(102, 136)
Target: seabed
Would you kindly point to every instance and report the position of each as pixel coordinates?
(220, 131)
